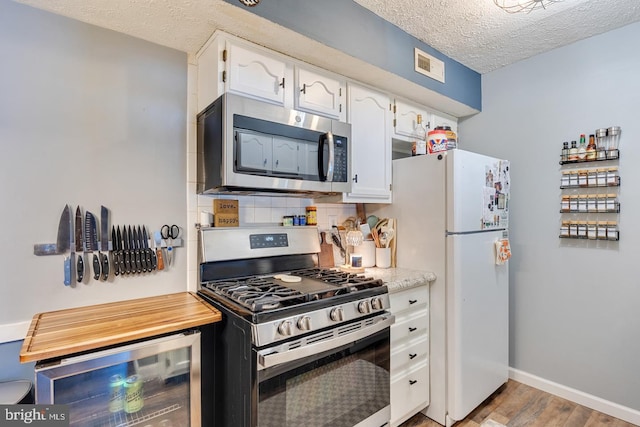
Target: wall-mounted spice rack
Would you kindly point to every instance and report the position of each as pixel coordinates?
(600, 156)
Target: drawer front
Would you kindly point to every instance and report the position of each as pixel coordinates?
(413, 326)
(411, 355)
(410, 298)
(409, 392)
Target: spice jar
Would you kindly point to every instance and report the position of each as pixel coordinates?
(582, 178)
(564, 229)
(573, 203)
(582, 229)
(564, 180)
(592, 230)
(312, 215)
(592, 178)
(602, 230)
(565, 205)
(612, 230)
(582, 203)
(592, 205)
(612, 177)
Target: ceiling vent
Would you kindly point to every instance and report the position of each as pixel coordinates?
(428, 65)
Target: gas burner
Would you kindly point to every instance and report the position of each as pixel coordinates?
(256, 293)
(340, 278)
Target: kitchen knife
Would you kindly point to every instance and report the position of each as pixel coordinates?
(104, 242)
(127, 254)
(69, 245)
(143, 255)
(91, 238)
(114, 242)
(62, 240)
(157, 245)
(136, 250)
(79, 245)
(151, 256)
(119, 250)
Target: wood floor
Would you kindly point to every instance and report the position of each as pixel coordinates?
(516, 404)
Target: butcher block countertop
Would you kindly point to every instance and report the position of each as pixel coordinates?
(60, 333)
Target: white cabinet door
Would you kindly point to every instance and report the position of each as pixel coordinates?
(370, 146)
(254, 151)
(406, 119)
(319, 93)
(285, 155)
(253, 73)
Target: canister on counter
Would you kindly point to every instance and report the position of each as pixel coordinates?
(312, 215)
(133, 400)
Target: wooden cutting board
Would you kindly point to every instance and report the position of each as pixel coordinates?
(64, 332)
(325, 257)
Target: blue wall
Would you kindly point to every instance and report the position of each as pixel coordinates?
(355, 30)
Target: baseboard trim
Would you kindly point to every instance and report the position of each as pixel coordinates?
(610, 408)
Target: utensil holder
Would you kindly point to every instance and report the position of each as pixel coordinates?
(383, 257)
(368, 251)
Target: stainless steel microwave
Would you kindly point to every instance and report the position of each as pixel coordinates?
(245, 145)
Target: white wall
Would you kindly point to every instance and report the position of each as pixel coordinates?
(88, 117)
(573, 304)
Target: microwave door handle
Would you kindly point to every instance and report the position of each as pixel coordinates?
(328, 139)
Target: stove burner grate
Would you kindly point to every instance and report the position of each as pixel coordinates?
(256, 293)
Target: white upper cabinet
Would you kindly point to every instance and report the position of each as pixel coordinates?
(405, 119)
(319, 93)
(249, 72)
(370, 146)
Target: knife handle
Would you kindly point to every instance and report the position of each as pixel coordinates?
(160, 259)
(116, 263)
(147, 255)
(138, 262)
(80, 269)
(127, 262)
(96, 267)
(154, 259)
(105, 266)
(143, 260)
(67, 270)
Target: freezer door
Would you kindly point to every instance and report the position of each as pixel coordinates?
(477, 321)
(477, 192)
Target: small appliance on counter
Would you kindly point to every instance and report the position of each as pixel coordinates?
(298, 344)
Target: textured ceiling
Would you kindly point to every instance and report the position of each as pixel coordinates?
(474, 32)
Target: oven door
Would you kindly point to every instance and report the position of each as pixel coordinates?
(337, 378)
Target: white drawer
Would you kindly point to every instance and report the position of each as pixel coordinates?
(409, 393)
(413, 326)
(410, 298)
(409, 355)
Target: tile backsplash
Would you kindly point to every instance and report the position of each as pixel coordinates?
(268, 210)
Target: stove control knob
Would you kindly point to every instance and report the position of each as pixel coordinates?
(304, 323)
(285, 328)
(336, 315)
(376, 303)
(364, 307)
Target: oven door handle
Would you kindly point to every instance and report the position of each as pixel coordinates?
(273, 359)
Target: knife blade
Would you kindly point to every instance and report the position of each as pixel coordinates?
(79, 245)
(69, 245)
(61, 240)
(127, 255)
(157, 243)
(104, 242)
(136, 251)
(143, 252)
(91, 238)
(114, 242)
(151, 256)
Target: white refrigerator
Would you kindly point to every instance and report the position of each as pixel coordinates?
(451, 209)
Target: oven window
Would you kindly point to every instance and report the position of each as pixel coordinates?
(340, 389)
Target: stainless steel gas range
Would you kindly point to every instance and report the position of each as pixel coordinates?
(298, 345)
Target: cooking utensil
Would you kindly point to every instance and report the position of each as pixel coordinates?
(136, 266)
(372, 220)
(62, 239)
(70, 260)
(150, 255)
(157, 244)
(91, 239)
(127, 250)
(168, 233)
(143, 253)
(325, 258)
(79, 245)
(104, 242)
(114, 242)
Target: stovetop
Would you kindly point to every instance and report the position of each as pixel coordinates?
(290, 289)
